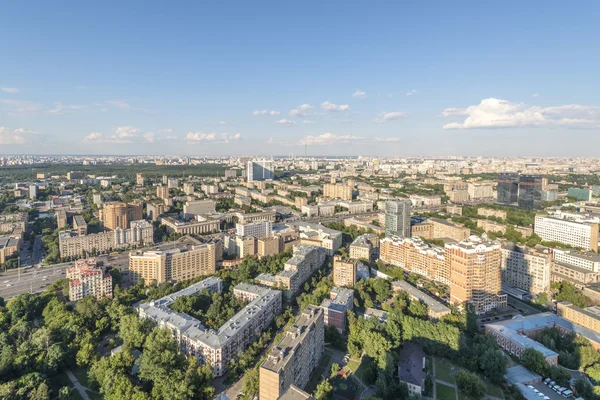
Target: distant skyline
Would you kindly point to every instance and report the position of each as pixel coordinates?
(270, 77)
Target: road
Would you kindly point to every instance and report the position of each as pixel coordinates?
(36, 279)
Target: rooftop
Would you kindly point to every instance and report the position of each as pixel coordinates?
(410, 364)
(431, 303)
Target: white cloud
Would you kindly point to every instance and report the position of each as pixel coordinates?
(123, 134)
(60, 108)
(301, 111)
(328, 138)
(266, 112)
(327, 106)
(10, 90)
(120, 104)
(14, 136)
(497, 113)
(21, 108)
(212, 137)
(359, 94)
(390, 116)
(411, 92)
(535, 95)
(308, 122)
(286, 122)
(166, 130)
(222, 123)
(388, 140)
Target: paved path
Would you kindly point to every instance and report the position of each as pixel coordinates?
(80, 388)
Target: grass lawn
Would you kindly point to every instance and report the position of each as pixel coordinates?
(82, 376)
(443, 370)
(445, 392)
(493, 390)
(359, 368)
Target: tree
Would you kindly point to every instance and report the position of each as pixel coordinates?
(335, 368)
(382, 289)
(418, 309)
(65, 393)
(493, 365)
(134, 330)
(535, 361)
(471, 385)
(324, 391)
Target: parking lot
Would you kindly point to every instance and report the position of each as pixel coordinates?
(548, 392)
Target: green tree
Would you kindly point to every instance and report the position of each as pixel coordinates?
(471, 385)
(335, 368)
(418, 309)
(324, 391)
(134, 330)
(493, 365)
(535, 361)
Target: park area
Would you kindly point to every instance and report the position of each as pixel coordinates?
(446, 384)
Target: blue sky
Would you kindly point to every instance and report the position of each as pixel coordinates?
(344, 78)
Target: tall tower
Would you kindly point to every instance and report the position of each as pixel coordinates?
(397, 218)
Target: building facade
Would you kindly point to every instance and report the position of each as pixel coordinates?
(261, 170)
(344, 271)
(508, 188)
(173, 265)
(577, 234)
(526, 268)
(86, 278)
(475, 273)
(295, 357)
(397, 218)
(530, 192)
(120, 215)
(334, 309)
(337, 191)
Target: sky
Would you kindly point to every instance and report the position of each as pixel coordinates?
(371, 78)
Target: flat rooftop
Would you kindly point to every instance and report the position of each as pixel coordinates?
(431, 303)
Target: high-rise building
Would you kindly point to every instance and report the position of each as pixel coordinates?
(139, 179)
(261, 170)
(365, 247)
(162, 192)
(257, 228)
(508, 187)
(576, 234)
(165, 179)
(334, 309)
(61, 218)
(268, 246)
(530, 192)
(580, 194)
(173, 264)
(188, 188)
(337, 191)
(344, 271)
(295, 357)
(87, 278)
(97, 199)
(33, 192)
(120, 215)
(526, 268)
(475, 273)
(198, 207)
(79, 225)
(397, 218)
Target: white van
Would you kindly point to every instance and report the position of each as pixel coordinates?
(567, 393)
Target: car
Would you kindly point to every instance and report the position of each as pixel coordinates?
(7, 281)
(9, 285)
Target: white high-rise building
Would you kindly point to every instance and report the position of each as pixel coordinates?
(261, 170)
(257, 228)
(576, 234)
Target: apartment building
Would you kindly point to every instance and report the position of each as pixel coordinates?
(455, 210)
(120, 215)
(577, 234)
(491, 226)
(475, 273)
(198, 207)
(318, 235)
(254, 229)
(79, 225)
(162, 191)
(582, 259)
(365, 247)
(488, 212)
(200, 226)
(526, 268)
(435, 309)
(580, 277)
(8, 247)
(8, 222)
(260, 170)
(216, 348)
(419, 201)
(295, 357)
(458, 196)
(153, 211)
(334, 309)
(188, 188)
(588, 317)
(73, 245)
(361, 224)
(445, 229)
(305, 261)
(415, 256)
(139, 179)
(397, 218)
(337, 191)
(344, 271)
(174, 264)
(86, 278)
(268, 246)
(239, 246)
(479, 191)
(61, 219)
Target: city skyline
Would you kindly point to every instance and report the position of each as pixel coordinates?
(325, 79)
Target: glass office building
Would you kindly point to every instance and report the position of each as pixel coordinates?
(508, 188)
